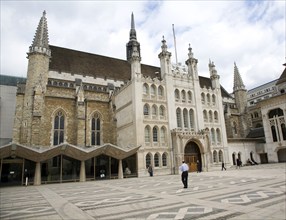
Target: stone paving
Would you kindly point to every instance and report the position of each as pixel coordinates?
(253, 192)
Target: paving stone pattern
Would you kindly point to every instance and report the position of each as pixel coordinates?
(255, 192)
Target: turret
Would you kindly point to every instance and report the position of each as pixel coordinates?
(239, 91)
(37, 77)
(165, 59)
(192, 64)
(214, 76)
(133, 50)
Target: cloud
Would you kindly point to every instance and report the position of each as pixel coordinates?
(250, 33)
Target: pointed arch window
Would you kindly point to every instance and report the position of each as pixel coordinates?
(156, 160)
(163, 135)
(185, 118)
(220, 156)
(160, 92)
(146, 109)
(215, 156)
(59, 128)
(179, 120)
(191, 118)
(189, 96)
(95, 129)
(147, 134)
(164, 159)
(155, 134)
(148, 160)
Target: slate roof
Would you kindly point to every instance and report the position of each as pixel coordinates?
(87, 64)
(11, 80)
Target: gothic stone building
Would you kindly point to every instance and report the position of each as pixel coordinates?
(83, 116)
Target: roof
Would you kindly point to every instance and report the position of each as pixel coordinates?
(256, 133)
(11, 80)
(282, 78)
(93, 65)
(87, 64)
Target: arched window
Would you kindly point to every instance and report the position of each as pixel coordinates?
(283, 128)
(215, 156)
(218, 136)
(155, 134)
(95, 129)
(164, 159)
(153, 90)
(162, 111)
(179, 120)
(177, 95)
(148, 160)
(274, 135)
(203, 98)
(145, 89)
(154, 111)
(208, 99)
(147, 134)
(213, 135)
(191, 118)
(146, 109)
(156, 160)
(183, 96)
(220, 156)
(185, 118)
(163, 135)
(59, 128)
(205, 116)
(216, 116)
(160, 92)
(213, 99)
(210, 116)
(190, 96)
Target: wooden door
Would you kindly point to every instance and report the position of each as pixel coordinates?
(191, 160)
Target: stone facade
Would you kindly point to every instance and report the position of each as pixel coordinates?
(88, 115)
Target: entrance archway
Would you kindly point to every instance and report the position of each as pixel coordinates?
(192, 154)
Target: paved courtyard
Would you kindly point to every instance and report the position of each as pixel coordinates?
(253, 192)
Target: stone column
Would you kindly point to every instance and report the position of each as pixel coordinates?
(120, 170)
(37, 177)
(82, 177)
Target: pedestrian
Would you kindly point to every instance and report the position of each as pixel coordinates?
(198, 166)
(150, 170)
(238, 163)
(222, 166)
(184, 168)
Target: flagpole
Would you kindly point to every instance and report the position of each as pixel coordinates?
(175, 45)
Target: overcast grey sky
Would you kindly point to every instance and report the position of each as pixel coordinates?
(250, 33)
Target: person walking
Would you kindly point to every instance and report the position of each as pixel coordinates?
(150, 170)
(184, 168)
(238, 163)
(222, 166)
(198, 166)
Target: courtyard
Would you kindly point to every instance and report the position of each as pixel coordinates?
(251, 192)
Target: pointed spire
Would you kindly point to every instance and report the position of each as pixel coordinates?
(164, 45)
(212, 68)
(237, 82)
(132, 30)
(133, 46)
(41, 38)
(190, 54)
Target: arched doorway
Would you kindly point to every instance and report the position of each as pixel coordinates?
(281, 155)
(191, 155)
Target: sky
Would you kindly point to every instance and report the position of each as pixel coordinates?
(250, 33)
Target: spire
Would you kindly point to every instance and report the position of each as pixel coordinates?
(237, 83)
(212, 69)
(133, 45)
(190, 54)
(132, 30)
(41, 38)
